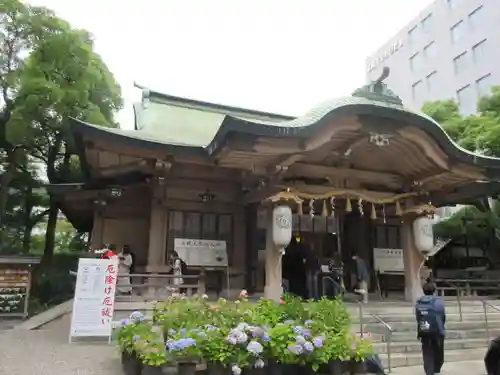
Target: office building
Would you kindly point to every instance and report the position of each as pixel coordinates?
(449, 51)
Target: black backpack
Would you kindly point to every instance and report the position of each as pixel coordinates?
(427, 320)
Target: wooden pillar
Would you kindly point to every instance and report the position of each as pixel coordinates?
(412, 261)
(251, 246)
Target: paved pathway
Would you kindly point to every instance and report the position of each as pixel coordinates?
(454, 368)
(47, 352)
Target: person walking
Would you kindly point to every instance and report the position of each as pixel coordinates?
(431, 317)
(362, 277)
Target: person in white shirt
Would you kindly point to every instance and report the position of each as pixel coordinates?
(126, 262)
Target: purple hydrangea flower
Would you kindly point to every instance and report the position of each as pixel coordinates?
(124, 322)
(308, 347)
(306, 333)
(308, 323)
(231, 340)
(297, 329)
(318, 341)
(136, 338)
(183, 331)
(266, 337)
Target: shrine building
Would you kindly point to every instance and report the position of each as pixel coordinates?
(356, 171)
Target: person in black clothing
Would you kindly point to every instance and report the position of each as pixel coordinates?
(293, 268)
(312, 268)
(431, 318)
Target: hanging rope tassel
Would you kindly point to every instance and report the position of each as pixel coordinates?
(300, 211)
(373, 215)
(360, 207)
(348, 206)
(332, 205)
(383, 212)
(324, 212)
(311, 207)
(399, 211)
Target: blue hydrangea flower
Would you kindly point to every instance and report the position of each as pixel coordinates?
(289, 322)
(242, 326)
(240, 336)
(137, 316)
(210, 327)
(180, 345)
(266, 337)
(296, 349)
(171, 332)
(254, 347)
(300, 340)
(308, 323)
(297, 329)
(231, 340)
(183, 331)
(236, 370)
(318, 341)
(136, 338)
(259, 363)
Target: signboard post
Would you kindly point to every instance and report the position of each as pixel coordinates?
(94, 300)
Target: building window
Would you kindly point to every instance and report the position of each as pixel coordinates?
(412, 34)
(415, 62)
(483, 85)
(387, 237)
(466, 101)
(452, 4)
(431, 80)
(427, 24)
(196, 225)
(430, 50)
(479, 51)
(417, 91)
(460, 63)
(475, 18)
(457, 31)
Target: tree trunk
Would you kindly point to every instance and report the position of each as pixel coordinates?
(28, 228)
(50, 233)
(5, 181)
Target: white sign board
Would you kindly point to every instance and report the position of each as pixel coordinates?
(94, 300)
(388, 260)
(204, 253)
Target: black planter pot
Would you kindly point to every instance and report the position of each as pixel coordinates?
(332, 368)
(274, 368)
(131, 364)
(357, 368)
(217, 369)
(254, 371)
(151, 370)
(188, 368)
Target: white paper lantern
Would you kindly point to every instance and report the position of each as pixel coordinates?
(423, 234)
(282, 225)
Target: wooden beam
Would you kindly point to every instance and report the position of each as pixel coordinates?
(311, 170)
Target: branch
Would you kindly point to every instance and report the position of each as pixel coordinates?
(35, 219)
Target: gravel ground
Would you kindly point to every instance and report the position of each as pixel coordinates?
(47, 352)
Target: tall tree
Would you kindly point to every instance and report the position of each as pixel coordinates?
(57, 75)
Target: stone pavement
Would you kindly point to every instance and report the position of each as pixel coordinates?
(47, 352)
(453, 368)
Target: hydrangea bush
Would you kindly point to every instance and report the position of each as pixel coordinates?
(239, 335)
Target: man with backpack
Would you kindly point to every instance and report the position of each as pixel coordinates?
(431, 317)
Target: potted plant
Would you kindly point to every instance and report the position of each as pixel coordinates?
(128, 333)
(184, 348)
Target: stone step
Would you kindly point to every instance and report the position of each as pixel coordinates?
(450, 334)
(415, 359)
(416, 347)
(410, 326)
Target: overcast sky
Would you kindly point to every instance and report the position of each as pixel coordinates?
(281, 56)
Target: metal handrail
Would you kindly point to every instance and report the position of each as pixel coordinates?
(485, 305)
(388, 336)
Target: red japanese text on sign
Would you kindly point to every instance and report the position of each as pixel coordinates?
(109, 279)
(111, 269)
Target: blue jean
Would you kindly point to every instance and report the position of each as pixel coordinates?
(312, 285)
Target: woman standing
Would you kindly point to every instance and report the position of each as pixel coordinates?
(126, 263)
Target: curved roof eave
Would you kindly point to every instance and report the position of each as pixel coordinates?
(131, 139)
(323, 115)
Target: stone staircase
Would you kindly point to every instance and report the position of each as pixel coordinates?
(465, 340)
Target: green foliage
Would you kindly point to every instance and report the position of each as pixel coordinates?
(476, 133)
(68, 239)
(242, 335)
